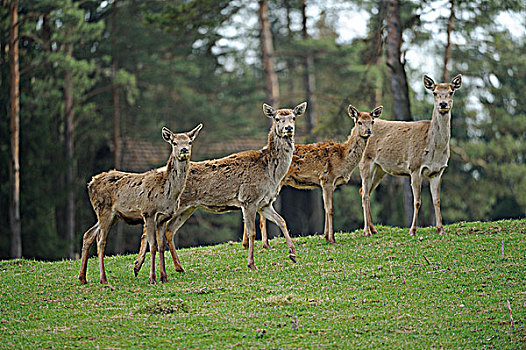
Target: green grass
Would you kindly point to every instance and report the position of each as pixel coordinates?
(390, 290)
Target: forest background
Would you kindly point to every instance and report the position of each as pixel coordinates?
(86, 86)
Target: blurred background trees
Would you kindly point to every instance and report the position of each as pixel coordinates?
(98, 80)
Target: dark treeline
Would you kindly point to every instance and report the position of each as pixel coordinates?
(98, 80)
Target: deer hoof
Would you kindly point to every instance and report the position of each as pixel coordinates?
(164, 279)
(252, 266)
(367, 233)
(292, 257)
(373, 231)
(103, 281)
(412, 231)
(245, 245)
(440, 230)
(266, 245)
(83, 280)
(179, 269)
(136, 270)
(152, 281)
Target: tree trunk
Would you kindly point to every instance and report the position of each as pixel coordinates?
(309, 79)
(70, 158)
(447, 53)
(267, 50)
(14, 125)
(401, 105)
(271, 80)
(117, 144)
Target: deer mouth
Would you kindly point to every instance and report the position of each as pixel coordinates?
(183, 156)
(444, 110)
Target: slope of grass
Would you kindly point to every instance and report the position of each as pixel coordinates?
(390, 290)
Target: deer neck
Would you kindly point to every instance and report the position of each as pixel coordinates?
(280, 150)
(176, 171)
(440, 130)
(354, 147)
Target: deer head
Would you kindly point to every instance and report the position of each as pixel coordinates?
(443, 92)
(364, 121)
(181, 143)
(283, 120)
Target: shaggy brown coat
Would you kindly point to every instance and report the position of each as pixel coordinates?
(328, 165)
(248, 180)
(150, 198)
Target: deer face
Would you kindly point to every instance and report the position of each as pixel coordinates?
(364, 121)
(443, 92)
(284, 120)
(181, 143)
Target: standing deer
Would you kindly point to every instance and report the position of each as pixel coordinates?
(327, 165)
(150, 198)
(248, 180)
(417, 149)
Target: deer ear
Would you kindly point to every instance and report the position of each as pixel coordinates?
(193, 134)
(428, 82)
(300, 109)
(377, 112)
(456, 83)
(167, 134)
(269, 111)
(353, 112)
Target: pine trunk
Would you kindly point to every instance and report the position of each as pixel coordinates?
(70, 158)
(14, 125)
(447, 53)
(267, 50)
(401, 104)
(271, 80)
(117, 144)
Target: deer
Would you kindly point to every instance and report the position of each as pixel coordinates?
(248, 180)
(418, 149)
(149, 198)
(327, 165)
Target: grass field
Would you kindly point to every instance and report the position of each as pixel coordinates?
(386, 291)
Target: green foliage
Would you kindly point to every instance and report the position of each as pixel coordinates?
(390, 290)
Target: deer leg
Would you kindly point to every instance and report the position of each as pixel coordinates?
(104, 227)
(142, 253)
(270, 214)
(264, 232)
(434, 186)
(327, 190)
(416, 184)
(159, 235)
(87, 242)
(149, 228)
(378, 175)
(245, 237)
(171, 228)
(249, 217)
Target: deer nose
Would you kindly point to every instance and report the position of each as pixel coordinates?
(368, 131)
(184, 150)
(289, 128)
(443, 105)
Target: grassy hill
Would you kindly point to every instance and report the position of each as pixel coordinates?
(390, 290)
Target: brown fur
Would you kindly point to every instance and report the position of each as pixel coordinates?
(149, 198)
(416, 149)
(328, 165)
(248, 180)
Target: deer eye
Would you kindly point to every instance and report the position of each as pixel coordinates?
(359, 123)
(276, 119)
(434, 93)
(293, 118)
(189, 142)
(372, 122)
(451, 93)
